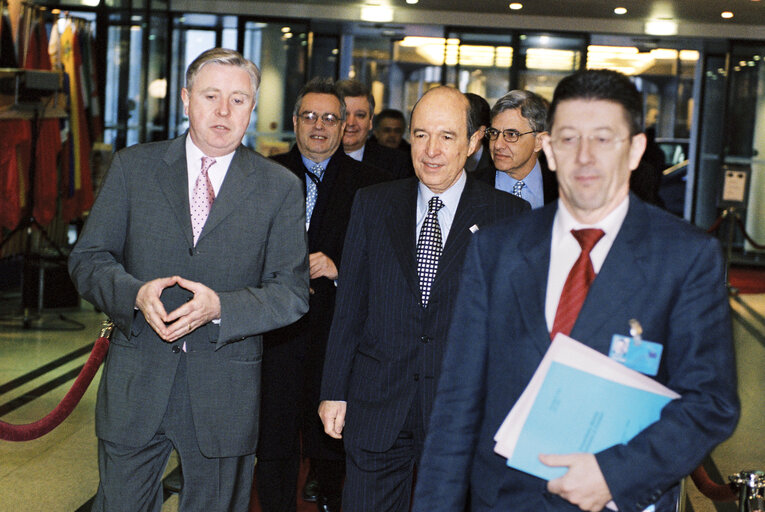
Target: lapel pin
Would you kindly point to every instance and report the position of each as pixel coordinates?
(474, 228)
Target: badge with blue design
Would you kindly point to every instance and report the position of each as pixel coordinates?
(636, 353)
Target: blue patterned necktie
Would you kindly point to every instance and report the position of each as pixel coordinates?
(429, 248)
(312, 192)
(518, 187)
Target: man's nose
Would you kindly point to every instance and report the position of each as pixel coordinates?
(584, 151)
(223, 107)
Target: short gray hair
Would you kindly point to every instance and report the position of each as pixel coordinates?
(533, 107)
(225, 57)
(319, 85)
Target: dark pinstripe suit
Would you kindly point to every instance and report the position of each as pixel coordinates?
(385, 349)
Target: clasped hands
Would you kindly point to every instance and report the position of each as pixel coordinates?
(201, 309)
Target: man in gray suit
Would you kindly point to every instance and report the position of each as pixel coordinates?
(194, 247)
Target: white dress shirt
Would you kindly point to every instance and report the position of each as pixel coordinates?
(565, 250)
(217, 172)
(451, 199)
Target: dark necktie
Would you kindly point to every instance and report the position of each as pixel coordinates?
(578, 282)
(429, 248)
(202, 198)
(518, 187)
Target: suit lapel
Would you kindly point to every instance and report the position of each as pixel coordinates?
(401, 225)
(530, 285)
(174, 184)
(623, 271)
(468, 213)
(234, 190)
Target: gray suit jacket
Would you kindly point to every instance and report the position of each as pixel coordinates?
(252, 252)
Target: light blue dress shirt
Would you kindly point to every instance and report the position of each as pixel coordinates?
(533, 192)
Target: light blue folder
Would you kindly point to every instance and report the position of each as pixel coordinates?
(576, 411)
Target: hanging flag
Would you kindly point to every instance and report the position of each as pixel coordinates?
(48, 144)
(7, 47)
(81, 184)
(14, 144)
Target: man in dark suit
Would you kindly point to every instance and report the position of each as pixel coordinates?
(647, 265)
(515, 141)
(360, 105)
(293, 357)
(395, 298)
(190, 286)
(480, 111)
(389, 128)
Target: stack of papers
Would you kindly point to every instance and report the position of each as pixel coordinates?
(578, 401)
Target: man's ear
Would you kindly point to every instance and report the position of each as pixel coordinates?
(637, 148)
(538, 141)
(185, 100)
(547, 147)
(475, 140)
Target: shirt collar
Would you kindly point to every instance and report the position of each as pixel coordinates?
(357, 155)
(450, 197)
(310, 163)
(610, 224)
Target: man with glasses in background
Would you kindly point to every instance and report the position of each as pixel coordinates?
(515, 143)
(294, 355)
(588, 266)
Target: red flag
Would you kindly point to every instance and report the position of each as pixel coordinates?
(48, 144)
(14, 144)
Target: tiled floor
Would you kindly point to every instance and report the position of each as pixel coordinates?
(58, 471)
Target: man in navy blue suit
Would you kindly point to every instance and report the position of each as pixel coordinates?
(648, 266)
(394, 300)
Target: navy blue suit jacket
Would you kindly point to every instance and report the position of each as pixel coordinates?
(661, 271)
(383, 344)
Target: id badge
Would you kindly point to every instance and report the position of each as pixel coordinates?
(640, 355)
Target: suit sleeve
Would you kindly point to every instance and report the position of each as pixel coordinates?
(700, 364)
(350, 308)
(282, 295)
(96, 264)
(444, 474)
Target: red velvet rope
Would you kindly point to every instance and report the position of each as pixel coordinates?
(746, 235)
(710, 489)
(716, 224)
(39, 428)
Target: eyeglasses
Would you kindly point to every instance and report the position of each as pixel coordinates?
(510, 136)
(311, 118)
(601, 142)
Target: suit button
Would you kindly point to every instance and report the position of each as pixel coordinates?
(176, 349)
(416, 376)
(425, 339)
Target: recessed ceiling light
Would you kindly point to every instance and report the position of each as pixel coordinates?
(661, 27)
(285, 30)
(412, 1)
(377, 13)
(516, 6)
(726, 14)
(620, 10)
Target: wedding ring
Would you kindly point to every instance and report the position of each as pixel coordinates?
(189, 326)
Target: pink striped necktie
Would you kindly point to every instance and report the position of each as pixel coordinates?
(202, 198)
(577, 283)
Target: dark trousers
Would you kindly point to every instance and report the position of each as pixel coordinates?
(291, 376)
(382, 481)
(130, 477)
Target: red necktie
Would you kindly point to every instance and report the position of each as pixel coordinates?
(201, 198)
(578, 282)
